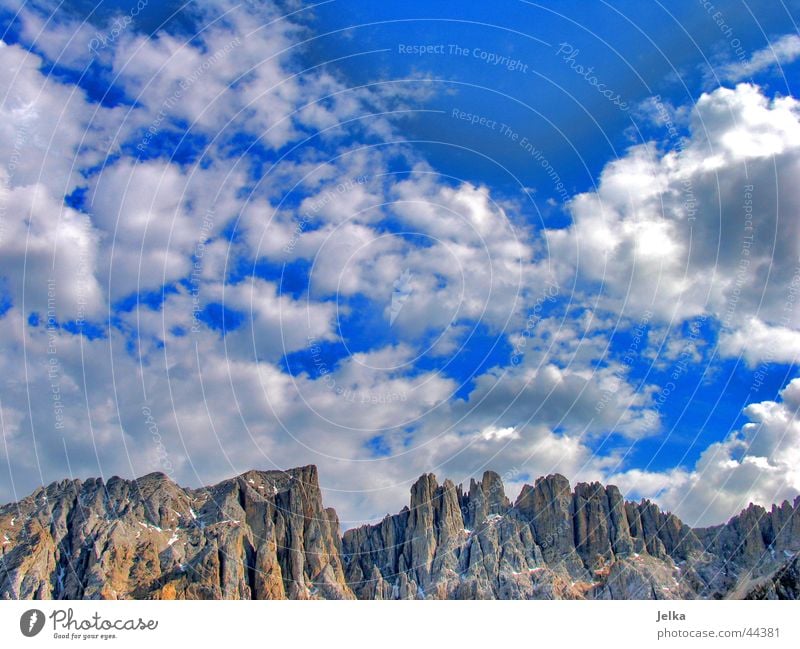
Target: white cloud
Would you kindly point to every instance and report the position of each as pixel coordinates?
(706, 229)
(154, 215)
(42, 125)
(782, 51)
(275, 324)
(224, 404)
(758, 463)
(48, 255)
(67, 43)
(491, 433)
(757, 343)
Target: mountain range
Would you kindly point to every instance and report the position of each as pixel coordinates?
(267, 535)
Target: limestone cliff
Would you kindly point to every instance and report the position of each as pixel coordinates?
(260, 535)
(555, 542)
(267, 535)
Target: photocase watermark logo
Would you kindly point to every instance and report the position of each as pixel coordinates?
(402, 291)
(66, 626)
(31, 622)
(569, 54)
(102, 40)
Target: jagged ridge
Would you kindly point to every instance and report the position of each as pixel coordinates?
(266, 535)
(261, 535)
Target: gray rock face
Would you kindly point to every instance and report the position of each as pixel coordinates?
(267, 535)
(558, 543)
(260, 535)
(783, 583)
(548, 508)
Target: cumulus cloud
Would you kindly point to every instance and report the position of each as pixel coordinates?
(48, 255)
(780, 52)
(156, 214)
(420, 257)
(759, 343)
(758, 463)
(43, 125)
(707, 228)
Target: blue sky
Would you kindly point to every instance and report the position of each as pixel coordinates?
(531, 237)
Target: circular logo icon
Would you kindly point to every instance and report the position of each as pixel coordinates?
(31, 622)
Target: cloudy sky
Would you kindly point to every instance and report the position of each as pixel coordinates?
(530, 237)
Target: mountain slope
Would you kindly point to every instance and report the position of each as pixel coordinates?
(260, 535)
(267, 535)
(555, 542)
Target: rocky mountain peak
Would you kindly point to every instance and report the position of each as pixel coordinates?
(267, 534)
(263, 534)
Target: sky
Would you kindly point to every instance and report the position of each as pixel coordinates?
(397, 238)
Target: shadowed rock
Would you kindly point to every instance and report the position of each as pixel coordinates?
(267, 535)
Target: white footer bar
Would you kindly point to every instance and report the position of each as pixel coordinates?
(401, 624)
